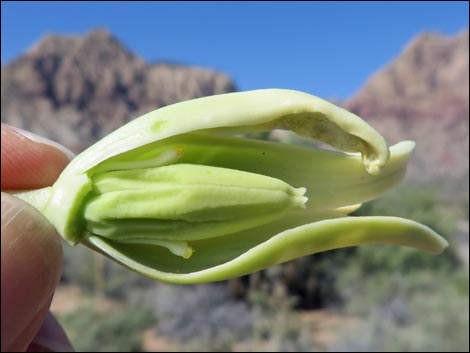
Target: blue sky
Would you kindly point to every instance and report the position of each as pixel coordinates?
(324, 48)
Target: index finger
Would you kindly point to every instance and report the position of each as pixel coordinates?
(29, 163)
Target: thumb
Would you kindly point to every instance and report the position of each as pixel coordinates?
(31, 259)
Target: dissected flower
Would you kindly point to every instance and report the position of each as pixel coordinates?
(179, 195)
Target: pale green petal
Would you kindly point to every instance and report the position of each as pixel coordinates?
(259, 110)
(246, 252)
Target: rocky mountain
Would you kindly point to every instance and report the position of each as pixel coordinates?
(423, 95)
(77, 89)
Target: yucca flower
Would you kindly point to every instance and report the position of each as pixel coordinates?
(181, 196)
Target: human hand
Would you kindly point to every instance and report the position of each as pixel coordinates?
(31, 253)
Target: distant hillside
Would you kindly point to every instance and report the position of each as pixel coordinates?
(77, 89)
(423, 95)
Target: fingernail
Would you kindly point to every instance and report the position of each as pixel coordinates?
(40, 139)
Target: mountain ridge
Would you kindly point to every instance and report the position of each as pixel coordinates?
(80, 88)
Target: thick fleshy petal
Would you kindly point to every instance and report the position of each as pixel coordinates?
(246, 252)
(259, 110)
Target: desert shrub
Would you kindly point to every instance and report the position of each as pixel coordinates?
(417, 311)
(407, 300)
(114, 330)
(201, 317)
(277, 326)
